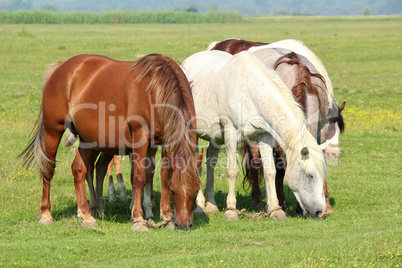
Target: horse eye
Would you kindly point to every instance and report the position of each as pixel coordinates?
(309, 176)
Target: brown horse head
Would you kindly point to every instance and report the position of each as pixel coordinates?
(182, 189)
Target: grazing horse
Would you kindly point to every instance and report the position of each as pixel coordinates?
(335, 127)
(121, 108)
(243, 100)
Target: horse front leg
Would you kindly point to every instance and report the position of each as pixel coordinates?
(232, 172)
(148, 189)
(265, 145)
(209, 192)
(138, 181)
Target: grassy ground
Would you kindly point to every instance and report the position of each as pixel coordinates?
(362, 56)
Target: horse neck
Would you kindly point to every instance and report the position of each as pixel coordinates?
(279, 109)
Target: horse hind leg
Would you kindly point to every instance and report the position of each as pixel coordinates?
(79, 167)
(52, 140)
(101, 170)
(93, 207)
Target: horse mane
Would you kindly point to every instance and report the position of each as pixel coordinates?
(298, 136)
(318, 64)
(304, 80)
(176, 111)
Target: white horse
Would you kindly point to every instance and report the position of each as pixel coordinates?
(336, 124)
(244, 100)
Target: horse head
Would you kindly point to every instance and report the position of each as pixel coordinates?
(305, 175)
(184, 183)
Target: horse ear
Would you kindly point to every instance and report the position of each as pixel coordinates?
(342, 106)
(329, 113)
(199, 158)
(171, 161)
(304, 152)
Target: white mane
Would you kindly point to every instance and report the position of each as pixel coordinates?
(298, 137)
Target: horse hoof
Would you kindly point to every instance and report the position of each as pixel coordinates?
(278, 215)
(211, 208)
(89, 223)
(46, 221)
(112, 199)
(231, 215)
(199, 212)
(139, 227)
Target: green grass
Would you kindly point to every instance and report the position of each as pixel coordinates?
(362, 56)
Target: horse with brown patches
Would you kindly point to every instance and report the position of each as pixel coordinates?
(301, 86)
(119, 107)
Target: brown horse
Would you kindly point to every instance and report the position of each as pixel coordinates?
(302, 86)
(121, 108)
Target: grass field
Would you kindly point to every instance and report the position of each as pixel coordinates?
(363, 58)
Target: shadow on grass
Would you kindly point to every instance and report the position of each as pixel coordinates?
(118, 212)
(244, 202)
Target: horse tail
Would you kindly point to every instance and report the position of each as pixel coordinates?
(253, 169)
(36, 150)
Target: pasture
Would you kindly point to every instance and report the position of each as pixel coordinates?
(363, 58)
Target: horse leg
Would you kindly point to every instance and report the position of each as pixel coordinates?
(279, 176)
(255, 165)
(212, 159)
(132, 186)
(111, 192)
(101, 169)
(120, 183)
(232, 172)
(165, 209)
(150, 169)
(330, 209)
(93, 202)
(200, 200)
(52, 140)
(138, 181)
(266, 144)
(84, 159)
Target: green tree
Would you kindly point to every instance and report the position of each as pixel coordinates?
(367, 11)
